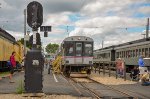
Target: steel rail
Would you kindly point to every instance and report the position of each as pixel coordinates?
(80, 93)
(117, 90)
(90, 90)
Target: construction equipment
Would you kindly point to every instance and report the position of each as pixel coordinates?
(56, 64)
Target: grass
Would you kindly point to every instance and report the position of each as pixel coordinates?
(20, 89)
(3, 74)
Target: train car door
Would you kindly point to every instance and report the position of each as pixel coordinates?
(78, 56)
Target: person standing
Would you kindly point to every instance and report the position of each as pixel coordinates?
(142, 68)
(46, 63)
(120, 66)
(50, 65)
(13, 65)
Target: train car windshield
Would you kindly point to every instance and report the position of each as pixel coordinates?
(78, 49)
(69, 49)
(88, 49)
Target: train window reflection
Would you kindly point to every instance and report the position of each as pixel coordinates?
(78, 49)
(117, 55)
(137, 53)
(88, 49)
(69, 49)
(146, 52)
(143, 52)
(149, 52)
(133, 53)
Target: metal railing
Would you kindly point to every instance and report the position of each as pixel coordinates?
(109, 68)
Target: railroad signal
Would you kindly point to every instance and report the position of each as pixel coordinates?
(34, 59)
(45, 29)
(34, 14)
(45, 34)
(38, 39)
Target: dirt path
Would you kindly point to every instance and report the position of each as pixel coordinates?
(15, 96)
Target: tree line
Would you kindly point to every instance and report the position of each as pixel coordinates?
(50, 48)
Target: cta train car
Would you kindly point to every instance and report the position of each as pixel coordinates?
(77, 55)
(8, 44)
(129, 52)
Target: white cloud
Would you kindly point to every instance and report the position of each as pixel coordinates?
(105, 7)
(110, 29)
(17, 35)
(110, 21)
(117, 39)
(57, 19)
(145, 10)
(5, 5)
(99, 25)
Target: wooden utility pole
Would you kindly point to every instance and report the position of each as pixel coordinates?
(67, 31)
(102, 43)
(147, 28)
(24, 31)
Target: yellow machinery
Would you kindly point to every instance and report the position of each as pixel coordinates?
(56, 64)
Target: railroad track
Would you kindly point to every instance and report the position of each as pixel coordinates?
(130, 93)
(98, 95)
(127, 94)
(74, 83)
(95, 94)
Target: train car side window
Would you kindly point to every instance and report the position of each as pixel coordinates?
(143, 52)
(140, 53)
(117, 55)
(137, 53)
(124, 54)
(133, 53)
(129, 53)
(149, 52)
(146, 52)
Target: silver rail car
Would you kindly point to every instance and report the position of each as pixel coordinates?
(130, 52)
(77, 54)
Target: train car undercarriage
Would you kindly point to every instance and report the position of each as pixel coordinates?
(76, 71)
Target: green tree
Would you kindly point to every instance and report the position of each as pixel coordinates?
(51, 48)
(27, 43)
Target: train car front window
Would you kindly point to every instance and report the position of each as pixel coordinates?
(69, 49)
(78, 49)
(88, 49)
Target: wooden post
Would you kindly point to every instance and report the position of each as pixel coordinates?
(103, 69)
(92, 66)
(109, 68)
(124, 71)
(99, 68)
(116, 70)
(95, 69)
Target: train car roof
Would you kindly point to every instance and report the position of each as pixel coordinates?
(105, 49)
(78, 38)
(6, 35)
(133, 43)
(127, 44)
